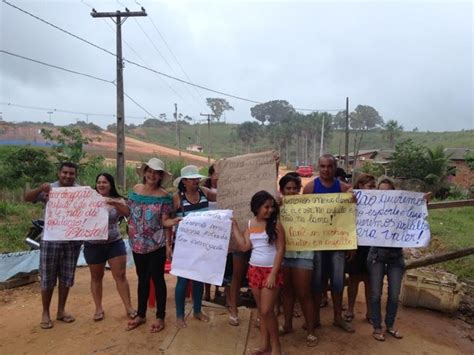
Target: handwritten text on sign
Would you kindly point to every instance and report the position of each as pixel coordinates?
(319, 222)
(75, 213)
(392, 218)
(201, 244)
(240, 178)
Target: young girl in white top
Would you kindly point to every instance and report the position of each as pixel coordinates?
(265, 236)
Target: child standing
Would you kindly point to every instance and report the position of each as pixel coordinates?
(264, 235)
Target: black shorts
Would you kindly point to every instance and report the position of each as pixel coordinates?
(100, 253)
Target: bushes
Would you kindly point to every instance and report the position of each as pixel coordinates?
(19, 166)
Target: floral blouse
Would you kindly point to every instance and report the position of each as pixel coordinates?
(145, 230)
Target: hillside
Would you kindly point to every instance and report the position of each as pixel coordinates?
(223, 139)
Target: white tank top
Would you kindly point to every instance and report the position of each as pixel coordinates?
(263, 253)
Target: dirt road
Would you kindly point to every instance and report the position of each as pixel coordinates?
(134, 147)
(425, 331)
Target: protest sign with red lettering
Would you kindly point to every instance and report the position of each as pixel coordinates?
(75, 213)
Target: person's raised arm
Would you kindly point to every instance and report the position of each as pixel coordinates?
(33, 194)
(242, 239)
(120, 205)
(308, 188)
(210, 194)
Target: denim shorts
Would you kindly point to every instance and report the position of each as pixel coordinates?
(100, 253)
(328, 265)
(299, 263)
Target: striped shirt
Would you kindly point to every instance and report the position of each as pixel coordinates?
(186, 207)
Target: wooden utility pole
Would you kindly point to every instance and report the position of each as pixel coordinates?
(209, 115)
(178, 133)
(346, 162)
(119, 18)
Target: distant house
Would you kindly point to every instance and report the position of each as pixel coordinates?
(376, 156)
(464, 175)
(194, 148)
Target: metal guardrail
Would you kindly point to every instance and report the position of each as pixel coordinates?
(450, 204)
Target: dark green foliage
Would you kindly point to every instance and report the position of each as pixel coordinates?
(19, 166)
(272, 111)
(69, 143)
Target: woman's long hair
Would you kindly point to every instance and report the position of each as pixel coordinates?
(257, 201)
(290, 177)
(113, 190)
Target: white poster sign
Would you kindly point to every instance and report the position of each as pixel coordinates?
(201, 244)
(392, 218)
(75, 213)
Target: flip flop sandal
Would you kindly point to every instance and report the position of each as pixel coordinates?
(311, 340)
(344, 326)
(234, 321)
(378, 335)
(348, 317)
(99, 316)
(282, 330)
(66, 319)
(46, 325)
(132, 314)
(395, 333)
(202, 317)
(135, 323)
(156, 328)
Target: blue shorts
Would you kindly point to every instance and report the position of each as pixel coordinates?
(100, 253)
(299, 263)
(328, 265)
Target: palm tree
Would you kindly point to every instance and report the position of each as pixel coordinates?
(392, 130)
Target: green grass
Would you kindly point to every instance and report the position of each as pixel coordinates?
(453, 229)
(15, 221)
(224, 146)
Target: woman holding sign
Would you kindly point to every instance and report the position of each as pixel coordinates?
(357, 266)
(112, 250)
(150, 239)
(188, 199)
(381, 261)
(297, 273)
(266, 238)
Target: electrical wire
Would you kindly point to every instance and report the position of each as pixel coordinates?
(158, 72)
(77, 73)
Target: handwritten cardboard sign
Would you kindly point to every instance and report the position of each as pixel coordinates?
(200, 249)
(392, 218)
(240, 178)
(75, 213)
(319, 222)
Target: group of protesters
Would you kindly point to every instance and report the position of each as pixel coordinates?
(152, 214)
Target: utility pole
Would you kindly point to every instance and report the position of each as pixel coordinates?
(346, 162)
(119, 17)
(178, 133)
(321, 147)
(209, 115)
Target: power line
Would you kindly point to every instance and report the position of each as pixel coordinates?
(57, 67)
(66, 111)
(169, 49)
(156, 71)
(77, 73)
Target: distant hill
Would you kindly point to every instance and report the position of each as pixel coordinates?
(224, 141)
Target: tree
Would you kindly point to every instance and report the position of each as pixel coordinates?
(272, 111)
(392, 130)
(248, 132)
(362, 119)
(218, 106)
(22, 165)
(410, 160)
(70, 143)
(340, 120)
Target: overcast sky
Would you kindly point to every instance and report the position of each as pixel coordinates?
(412, 61)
